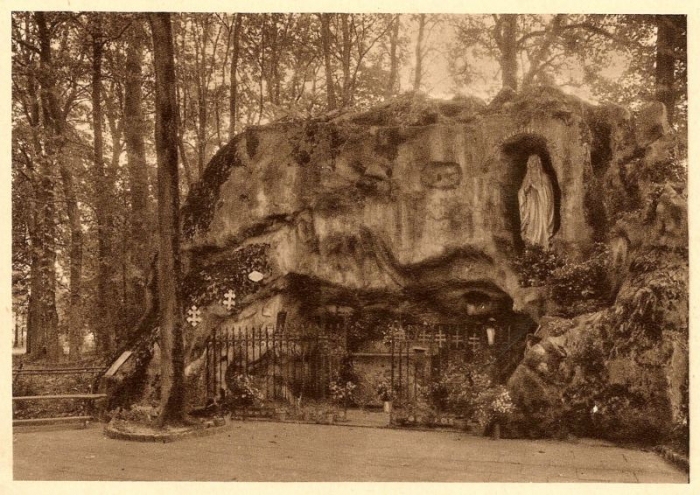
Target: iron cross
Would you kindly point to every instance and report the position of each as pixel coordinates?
(440, 337)
(474, 342)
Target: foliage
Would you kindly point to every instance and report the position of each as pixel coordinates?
(536, 265)
(341, 392)
(588, 279)
(493, 404)
(205, 284)
(576, 286)
(463, 382)
(198, 209)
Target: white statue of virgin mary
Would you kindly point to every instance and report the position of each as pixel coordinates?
(536, 199)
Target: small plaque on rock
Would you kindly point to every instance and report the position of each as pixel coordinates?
(441, 175)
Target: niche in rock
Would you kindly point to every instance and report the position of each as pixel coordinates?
(533, 196)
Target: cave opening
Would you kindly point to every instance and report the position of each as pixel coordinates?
(516, 152)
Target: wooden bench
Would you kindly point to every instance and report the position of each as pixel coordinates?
(88, 406)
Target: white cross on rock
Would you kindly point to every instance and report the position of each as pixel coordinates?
(230, 300)
(194, 317)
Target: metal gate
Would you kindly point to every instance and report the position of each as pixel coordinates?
(283, 365)
(421, 353)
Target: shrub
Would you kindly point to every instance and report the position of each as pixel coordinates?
(536, 265)
(572, 282)
(463, 381)
(577, 287)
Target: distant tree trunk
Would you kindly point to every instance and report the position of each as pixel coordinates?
(418, 75)
(507, 42)
(103, 201)
(346, 58)
(202, 99)
(134, 134)
(75, 322)
(326, 42)
(666, 62)
(233, 99)
(393, 58)
(169, 269)
(42, 318)
(273, 76)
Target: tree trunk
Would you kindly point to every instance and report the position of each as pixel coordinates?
(233, 98)
(134, 134)
(509, 50)
(347, 52)
(261, 95)
(665, 63)
(391, 88)
(103, 201)
(75, 321)
(418, 75)
(202, 99)
(42, 318)
(326, 41)
(169, 269)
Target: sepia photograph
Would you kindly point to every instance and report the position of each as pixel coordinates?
(343, 246)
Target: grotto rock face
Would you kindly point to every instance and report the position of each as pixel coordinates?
(412, 206)
(412, 209)
(622, 372)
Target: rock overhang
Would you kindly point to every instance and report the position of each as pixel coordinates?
(409, 198)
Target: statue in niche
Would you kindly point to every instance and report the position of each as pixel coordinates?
(536, 200)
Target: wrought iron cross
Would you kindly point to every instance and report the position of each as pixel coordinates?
(440, 337)
(474, 342)
(230, 299)
(194, 317)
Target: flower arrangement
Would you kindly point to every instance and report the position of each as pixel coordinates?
(384, 391)
(243, 391)
(341, 392)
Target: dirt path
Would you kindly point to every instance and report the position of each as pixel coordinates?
(262, 451)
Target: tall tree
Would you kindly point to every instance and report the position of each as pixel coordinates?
(42, 324)
(104, 195)
(134, 134)
(393, 82)
(670, 55)
(326, 41)
(169, 267)
(419, 53)
(235, 55)
(505, 33)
